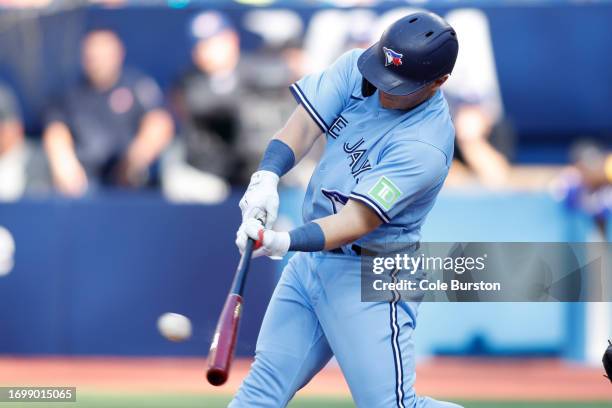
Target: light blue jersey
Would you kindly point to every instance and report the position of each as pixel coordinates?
(393, 161)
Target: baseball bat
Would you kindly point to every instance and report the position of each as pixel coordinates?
(223, 344)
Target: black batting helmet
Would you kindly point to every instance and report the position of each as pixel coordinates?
(411, 53)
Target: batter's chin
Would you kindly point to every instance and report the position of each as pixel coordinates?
(387, 101)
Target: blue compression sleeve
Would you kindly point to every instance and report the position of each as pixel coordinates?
(278, 158)
(307, 238)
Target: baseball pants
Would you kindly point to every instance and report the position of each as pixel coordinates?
(316, 313)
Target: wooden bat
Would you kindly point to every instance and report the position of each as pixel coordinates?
(224, 341)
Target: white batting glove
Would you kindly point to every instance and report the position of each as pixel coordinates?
(267, 242)
(261, 198)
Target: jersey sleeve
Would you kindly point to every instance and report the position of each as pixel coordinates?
(405, 171)
(325, 94)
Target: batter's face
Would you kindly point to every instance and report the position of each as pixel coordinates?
(407, 102)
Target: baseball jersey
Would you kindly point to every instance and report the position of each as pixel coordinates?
(393, 161)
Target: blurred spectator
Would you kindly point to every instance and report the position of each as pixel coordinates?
(109, 129)
(587, 184)
(206, 101)
(228, 107)
(331, 32)
(208, 97)
(483, 146)
(25, 3)
(267, 103)
(484, 141)
(594, 164)
(13, 151)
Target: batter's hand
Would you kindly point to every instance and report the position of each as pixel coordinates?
(267, 242)
(261, 198)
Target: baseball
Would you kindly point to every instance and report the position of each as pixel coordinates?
(174, 326)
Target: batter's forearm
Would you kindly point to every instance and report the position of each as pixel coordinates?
(337, 232)
(299, 133)
(353, 222)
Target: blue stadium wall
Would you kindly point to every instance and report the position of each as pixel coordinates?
(92, 276)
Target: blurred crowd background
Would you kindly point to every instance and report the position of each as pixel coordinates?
(184, 106)
(104, 99)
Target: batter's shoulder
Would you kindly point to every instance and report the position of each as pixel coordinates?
(420, 149)
(434, 131)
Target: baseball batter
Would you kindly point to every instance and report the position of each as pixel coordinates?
(389, 147)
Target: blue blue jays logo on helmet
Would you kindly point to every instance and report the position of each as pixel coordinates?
(392, 57)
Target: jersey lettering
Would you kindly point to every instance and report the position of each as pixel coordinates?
(339, 124)
(358, 166)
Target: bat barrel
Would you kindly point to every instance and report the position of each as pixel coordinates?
(224, 342)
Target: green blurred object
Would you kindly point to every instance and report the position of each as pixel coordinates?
(87, 400)
(177, 4)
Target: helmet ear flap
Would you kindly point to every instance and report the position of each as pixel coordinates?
(367, 89)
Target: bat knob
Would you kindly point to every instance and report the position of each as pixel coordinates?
(216, 376)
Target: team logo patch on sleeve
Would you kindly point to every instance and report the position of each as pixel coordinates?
(385, 193)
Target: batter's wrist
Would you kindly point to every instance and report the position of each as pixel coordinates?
(264, 177)
(307, 238)
(278, 158)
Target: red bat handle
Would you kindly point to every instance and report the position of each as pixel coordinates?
(224, 342)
